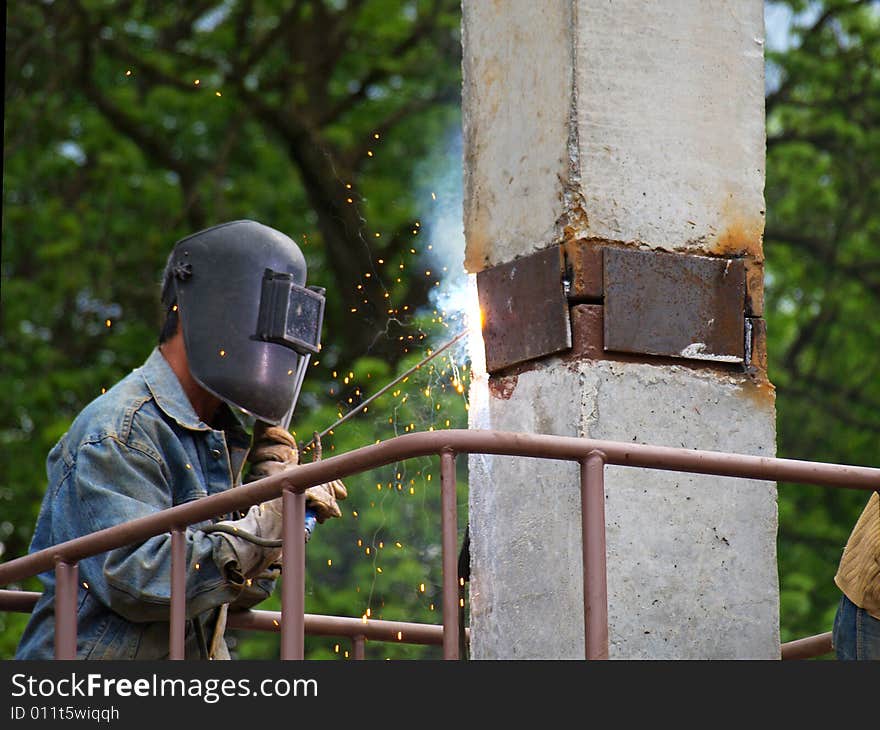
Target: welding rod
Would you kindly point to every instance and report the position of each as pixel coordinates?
(385, 389)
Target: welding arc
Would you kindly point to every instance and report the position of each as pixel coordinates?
(384, 390)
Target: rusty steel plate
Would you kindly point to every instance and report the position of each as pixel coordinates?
(525, 311)
(675, 305)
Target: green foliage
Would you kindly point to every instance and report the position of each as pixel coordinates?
(823, 284)
(131, 124)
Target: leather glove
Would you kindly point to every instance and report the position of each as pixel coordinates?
(242, 558)
(274, 450)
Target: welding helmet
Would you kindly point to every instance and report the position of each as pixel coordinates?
(249, 321)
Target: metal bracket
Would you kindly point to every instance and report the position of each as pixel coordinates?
(674, 305)
(639, 302)
(525, 309)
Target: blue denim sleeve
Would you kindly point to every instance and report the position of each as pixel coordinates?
(115, 483)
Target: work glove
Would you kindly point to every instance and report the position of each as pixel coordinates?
(274, 450)
(244, 558)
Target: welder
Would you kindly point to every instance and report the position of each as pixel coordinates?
(240, 323)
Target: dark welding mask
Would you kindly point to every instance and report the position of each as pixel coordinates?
(249, 321)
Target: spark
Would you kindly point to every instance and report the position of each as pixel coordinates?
(217, 93)
(85, 585)
(369, 153)
(222, 353)
(433, 196)
(128, 72)
(196, 82)
(108, 322)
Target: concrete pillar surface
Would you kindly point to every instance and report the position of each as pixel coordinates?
(627, 123)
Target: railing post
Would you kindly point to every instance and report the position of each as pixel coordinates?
(595, 568)
(357, 646)
(293, 587)
(66, 590)
(177, 628)
(449, 527)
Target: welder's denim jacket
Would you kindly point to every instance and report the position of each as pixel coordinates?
(137, 449)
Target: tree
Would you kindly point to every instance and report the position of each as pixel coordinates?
(131, 124)
(823, 282)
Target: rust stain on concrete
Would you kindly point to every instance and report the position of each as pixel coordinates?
(741, 232)
(503, 387)
(760, 391)
(476, 250)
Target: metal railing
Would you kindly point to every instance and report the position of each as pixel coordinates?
(592, 455)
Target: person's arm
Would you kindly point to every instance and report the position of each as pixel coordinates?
(113, 483)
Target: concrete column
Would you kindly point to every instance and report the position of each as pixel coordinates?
(637, 124)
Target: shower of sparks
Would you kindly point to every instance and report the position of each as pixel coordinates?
(388, 501)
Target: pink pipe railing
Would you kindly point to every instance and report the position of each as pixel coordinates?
(592, 455)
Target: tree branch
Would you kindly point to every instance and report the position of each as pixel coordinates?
(259, 49)
(152, 147)
(421, 29)
(355, 157)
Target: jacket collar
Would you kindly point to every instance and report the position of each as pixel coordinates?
(168, 392)
(173, 401)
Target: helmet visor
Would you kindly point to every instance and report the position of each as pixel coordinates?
(290, 314)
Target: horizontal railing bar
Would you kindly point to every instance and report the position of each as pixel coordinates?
(809, 647)
(23, 601)
(320, 625)
(316, 624)
(378, 630)
(429, 443)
